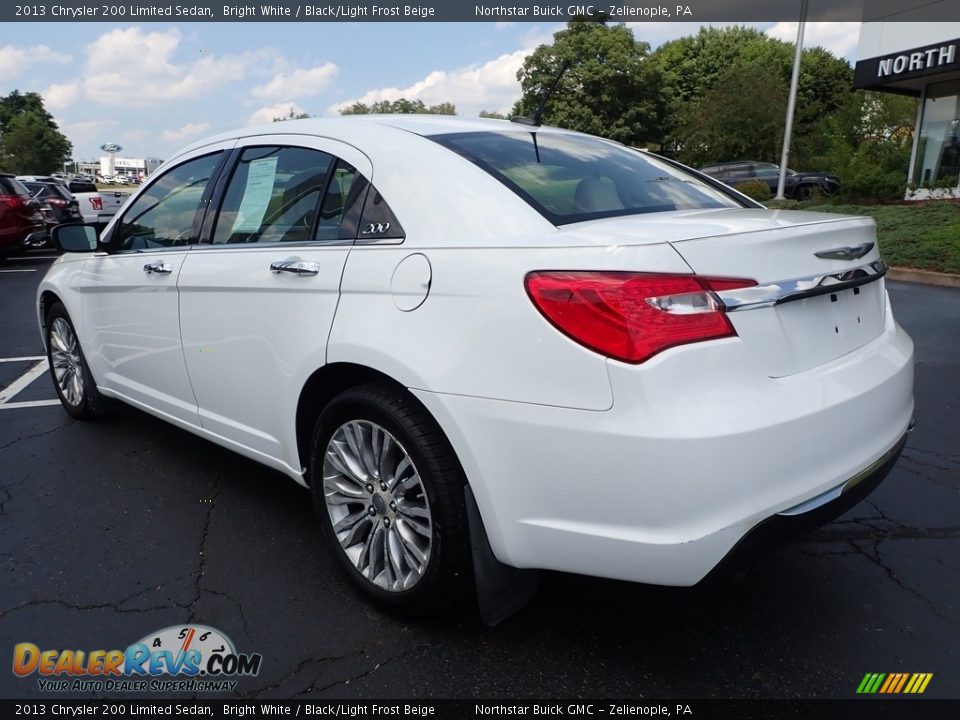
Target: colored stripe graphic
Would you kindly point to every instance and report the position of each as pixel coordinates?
(894, 683)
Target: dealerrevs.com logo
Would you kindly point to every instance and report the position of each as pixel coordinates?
(180, 658)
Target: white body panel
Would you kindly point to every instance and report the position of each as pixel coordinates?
(132, 325)
(648, 472)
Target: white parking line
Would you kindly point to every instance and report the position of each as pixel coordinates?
(28, 404)
(20, 270)
(21, 382)
(32, 358)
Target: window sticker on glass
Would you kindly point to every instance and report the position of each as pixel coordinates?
(256, 195)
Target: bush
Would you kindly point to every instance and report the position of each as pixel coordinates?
(756, 189)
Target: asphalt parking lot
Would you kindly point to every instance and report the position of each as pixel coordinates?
(112, 530)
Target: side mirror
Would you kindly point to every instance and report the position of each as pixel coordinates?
(74, 237)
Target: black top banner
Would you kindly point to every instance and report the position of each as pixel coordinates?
(477, 10)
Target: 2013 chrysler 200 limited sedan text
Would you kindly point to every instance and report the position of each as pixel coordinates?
(484, 345)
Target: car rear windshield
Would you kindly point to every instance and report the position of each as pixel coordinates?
(572, 178)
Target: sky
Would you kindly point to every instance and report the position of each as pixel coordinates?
(156, 87)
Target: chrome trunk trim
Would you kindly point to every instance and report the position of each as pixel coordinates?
(762, 296)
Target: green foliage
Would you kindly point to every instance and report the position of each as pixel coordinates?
(30, 141)
(722, 73)
(607, 86)
(493, 115)
(292, 115)
(919, 235)
(866, 142)
(401, 106)
(728, 122)
(756, 189)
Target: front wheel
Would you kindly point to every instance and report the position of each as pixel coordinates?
(390, 495)
(68, 367)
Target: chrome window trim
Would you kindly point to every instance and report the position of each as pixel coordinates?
(763, 296)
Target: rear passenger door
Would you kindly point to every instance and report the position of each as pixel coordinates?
(258, 295)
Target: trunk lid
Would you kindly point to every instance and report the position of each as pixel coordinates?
(774, 248)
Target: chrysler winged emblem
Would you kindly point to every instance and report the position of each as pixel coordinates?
(845, 253)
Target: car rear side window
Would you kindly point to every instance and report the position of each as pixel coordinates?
(12, 186)
(571, 178)
(274, 196)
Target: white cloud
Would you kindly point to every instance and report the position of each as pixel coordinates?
(130, 67)
(187, 131)
(61, 96)
(840, 38)
(88, 132)
(14, 60)
(298, 83)
(267, 114)
(490, 86)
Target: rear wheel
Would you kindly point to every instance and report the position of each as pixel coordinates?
(390, 495)
(71, 377)
(806, 192)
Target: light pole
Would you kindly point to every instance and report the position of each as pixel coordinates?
(791, 102)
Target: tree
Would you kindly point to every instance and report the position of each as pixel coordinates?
(493, 115)
(728, 122)
(401, 107)
(292, 115)
(607, 85)
(30, 140)
(693, 66)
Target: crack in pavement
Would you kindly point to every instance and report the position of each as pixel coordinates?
(231, 598)
(117, 606)
(875, 558)
(36, 435)
(297, 669)
(354, 678)
(202, 562)
(873, 532)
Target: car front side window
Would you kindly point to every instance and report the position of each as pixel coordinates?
(166, 214)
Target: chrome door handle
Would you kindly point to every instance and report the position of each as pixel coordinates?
(296, 266)
(161, 268)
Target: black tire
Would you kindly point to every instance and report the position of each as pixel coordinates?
(91, 404)
(447, 575)
(806, 192)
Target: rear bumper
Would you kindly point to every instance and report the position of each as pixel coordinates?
(698, 449)
(807, 516)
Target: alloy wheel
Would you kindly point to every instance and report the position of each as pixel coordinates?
(66, 362)
(377, 505)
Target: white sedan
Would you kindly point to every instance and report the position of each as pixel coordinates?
(487, 347)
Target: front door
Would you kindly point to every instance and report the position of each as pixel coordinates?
(130, 308)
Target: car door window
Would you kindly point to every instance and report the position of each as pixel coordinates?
(166, 214)
(275, 195)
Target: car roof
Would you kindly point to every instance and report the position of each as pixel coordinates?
(368, 131)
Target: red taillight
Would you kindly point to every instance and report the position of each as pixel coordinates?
(56, 202)
(12, 201)
(97, 203)
(632, 316)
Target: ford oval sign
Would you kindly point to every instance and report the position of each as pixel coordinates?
(111, 148)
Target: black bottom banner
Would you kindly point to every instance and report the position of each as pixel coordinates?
(865, 709)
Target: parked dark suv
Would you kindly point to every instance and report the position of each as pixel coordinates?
(20, 218)
(799, 186)
(59, 205)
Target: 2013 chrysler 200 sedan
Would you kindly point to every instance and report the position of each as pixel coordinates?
(482, 344)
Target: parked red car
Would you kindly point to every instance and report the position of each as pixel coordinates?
(20, 218)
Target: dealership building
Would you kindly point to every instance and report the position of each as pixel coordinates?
(922, 60)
